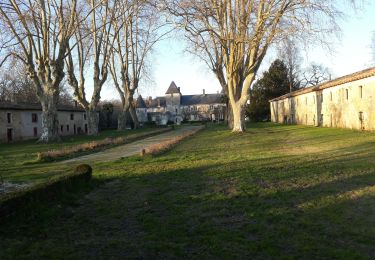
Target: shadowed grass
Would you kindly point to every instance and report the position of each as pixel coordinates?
(273, 192)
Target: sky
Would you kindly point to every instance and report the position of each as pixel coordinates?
(351, 53)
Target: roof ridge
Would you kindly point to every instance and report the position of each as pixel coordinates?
(362, 74)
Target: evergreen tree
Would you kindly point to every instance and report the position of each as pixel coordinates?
(273, 83)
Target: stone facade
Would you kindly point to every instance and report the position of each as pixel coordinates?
(346, 102)
(176, 108)
(23, 121)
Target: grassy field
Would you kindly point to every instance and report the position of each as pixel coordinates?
(18, 160)
(275, 191)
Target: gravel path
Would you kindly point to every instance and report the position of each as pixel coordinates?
(130, 149)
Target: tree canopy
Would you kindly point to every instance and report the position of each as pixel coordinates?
(273, 83)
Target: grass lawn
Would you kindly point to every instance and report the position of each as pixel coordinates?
(273, 192)
(15, 157)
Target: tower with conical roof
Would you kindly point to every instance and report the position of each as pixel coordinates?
(141, 110)
(173, 101)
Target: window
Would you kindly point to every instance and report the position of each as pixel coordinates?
(321, 97)
(84, 116)
(360, 92)
(62, 128)
(306, 100)
(347, 94)
(314, 99)
(360, 116)
(330, 95)
(35, 130)
(67, 128)
(71, 116)
(176, 111)
(34, 117)
(9, 118)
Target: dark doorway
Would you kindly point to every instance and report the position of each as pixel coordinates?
(10, 134)
(75, 129)
(86, 128)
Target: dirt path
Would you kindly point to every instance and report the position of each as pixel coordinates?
(129, 149)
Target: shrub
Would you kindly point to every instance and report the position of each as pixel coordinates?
(85, 170)
(47, 191)
(167, 145)
(93, 145)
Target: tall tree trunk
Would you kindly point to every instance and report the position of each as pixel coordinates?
(121, 120)
(133, 114)
(238, 118)
(50, 122)
(123, 115)
(93, 121)
(229, 115)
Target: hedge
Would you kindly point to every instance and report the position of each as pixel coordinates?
(46, 191)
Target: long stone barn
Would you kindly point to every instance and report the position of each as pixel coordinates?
(345, 102)
(22, 121)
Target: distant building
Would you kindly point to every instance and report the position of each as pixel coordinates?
(176, 108)
(21, 121)
(141, 110)
(346, 102)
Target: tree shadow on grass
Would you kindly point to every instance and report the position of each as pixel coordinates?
(207, 211)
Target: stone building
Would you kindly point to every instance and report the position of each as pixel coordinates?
(346, 102)
(141, 110)
(20, 121)
(176, 108)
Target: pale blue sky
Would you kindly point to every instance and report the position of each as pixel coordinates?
(351, 53)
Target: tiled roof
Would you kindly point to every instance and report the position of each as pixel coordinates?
(36, 106)
(188, 100)
(155, 103)
(140, 102)
(332, 83)
(173, 89)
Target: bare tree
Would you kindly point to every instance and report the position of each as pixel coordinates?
(246, 29)
(16, 86)
(37, 33)
(314, 75)
(139, 29)
(92, 43)
(289, 53)
(208, 50)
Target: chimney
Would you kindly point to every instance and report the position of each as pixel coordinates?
(178, 89)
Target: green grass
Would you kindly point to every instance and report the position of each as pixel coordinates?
(273, 192)
(18, 161)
